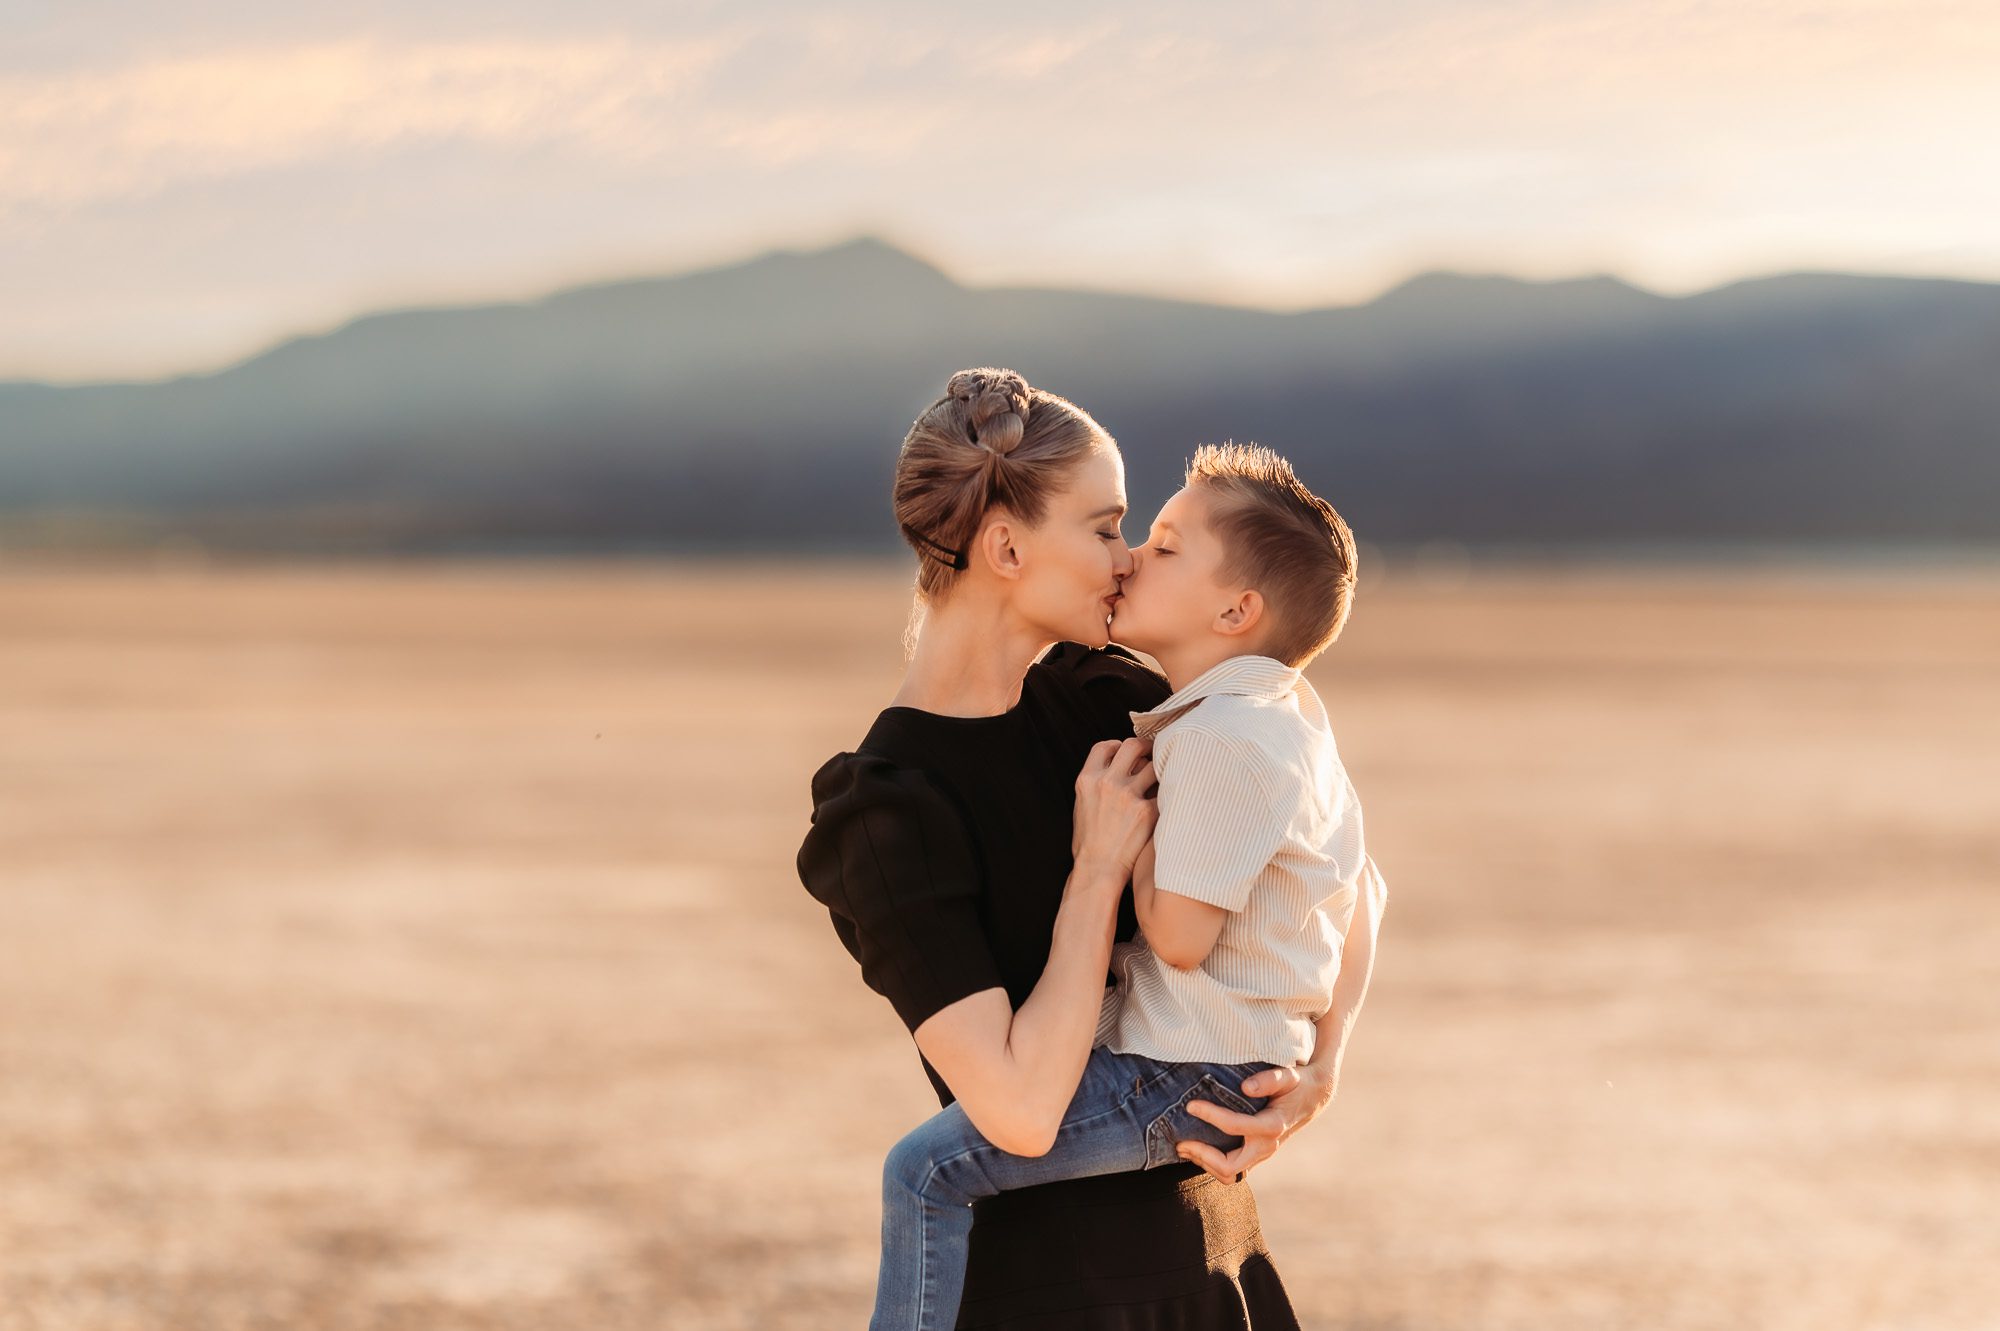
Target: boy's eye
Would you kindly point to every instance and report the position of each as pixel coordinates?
(1161, 550)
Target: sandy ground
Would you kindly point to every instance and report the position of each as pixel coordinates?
(421, 947)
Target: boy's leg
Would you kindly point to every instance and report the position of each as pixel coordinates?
(1169, 1087)
(924, 1238)
(934, 1174)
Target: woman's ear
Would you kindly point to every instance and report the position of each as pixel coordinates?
(1242, 614)
(997, 546)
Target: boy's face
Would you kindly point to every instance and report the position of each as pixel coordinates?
(1175, 591)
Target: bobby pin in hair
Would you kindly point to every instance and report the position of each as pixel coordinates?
(944, 553)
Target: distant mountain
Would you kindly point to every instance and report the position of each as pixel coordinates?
(760, 406)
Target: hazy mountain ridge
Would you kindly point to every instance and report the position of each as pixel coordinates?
(762, 404)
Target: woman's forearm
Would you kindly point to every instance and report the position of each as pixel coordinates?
(1350, 988)
(1049, 1040)
(1014, 1071)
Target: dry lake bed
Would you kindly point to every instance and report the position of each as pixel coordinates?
(419, 946)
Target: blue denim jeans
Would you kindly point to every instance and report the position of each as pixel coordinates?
(1127, 1114)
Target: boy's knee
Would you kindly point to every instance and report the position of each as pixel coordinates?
(939, 1167)
(911, 1163)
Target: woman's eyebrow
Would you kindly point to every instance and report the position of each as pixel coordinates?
(1117, 509)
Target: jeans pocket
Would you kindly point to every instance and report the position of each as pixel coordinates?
(1176, 1124)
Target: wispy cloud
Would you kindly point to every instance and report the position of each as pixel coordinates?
(1285, 153)
(111, 133)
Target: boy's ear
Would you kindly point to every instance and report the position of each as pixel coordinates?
(1242, 614)
(995, 544)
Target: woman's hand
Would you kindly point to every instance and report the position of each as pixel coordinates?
(1298, 1096)
(1115, 811)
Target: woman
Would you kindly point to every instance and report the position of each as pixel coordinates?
(973, 853)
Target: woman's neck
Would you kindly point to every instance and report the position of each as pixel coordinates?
(970, 659)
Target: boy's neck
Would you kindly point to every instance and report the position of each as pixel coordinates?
(1184, 663)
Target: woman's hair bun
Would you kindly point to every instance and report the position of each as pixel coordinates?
(996, 406)
(975, 448)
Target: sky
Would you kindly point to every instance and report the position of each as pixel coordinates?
(183, 183)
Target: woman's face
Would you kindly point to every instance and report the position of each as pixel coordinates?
(1072, 564)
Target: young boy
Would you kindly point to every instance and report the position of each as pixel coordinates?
(1244, 895)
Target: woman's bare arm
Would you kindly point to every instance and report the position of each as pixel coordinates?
(1299, 1095)
(1015, 1071)
(1350, 988)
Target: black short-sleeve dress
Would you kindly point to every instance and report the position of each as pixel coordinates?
(940, 847)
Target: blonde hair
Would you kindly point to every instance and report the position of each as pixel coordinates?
(990, 441)
(1281, 539)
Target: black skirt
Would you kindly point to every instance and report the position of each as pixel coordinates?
(1166, 1249)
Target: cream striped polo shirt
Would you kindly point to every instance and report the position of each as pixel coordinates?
(1257, 816)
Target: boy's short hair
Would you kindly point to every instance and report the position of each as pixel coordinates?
(1281, 539)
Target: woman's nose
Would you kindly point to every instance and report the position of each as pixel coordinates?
(1126, 563)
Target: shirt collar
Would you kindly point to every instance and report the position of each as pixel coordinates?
(1263, 677)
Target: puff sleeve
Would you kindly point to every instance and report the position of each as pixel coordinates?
(889, 857)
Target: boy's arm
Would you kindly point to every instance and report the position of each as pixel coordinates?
(1181, 930)
(1217, 831)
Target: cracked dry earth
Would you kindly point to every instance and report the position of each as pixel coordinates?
(418, 946)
